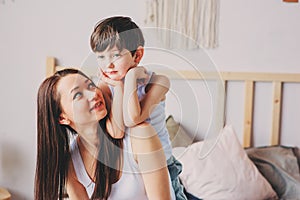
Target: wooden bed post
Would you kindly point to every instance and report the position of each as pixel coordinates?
(248, 113)
(276, 117)
(220, 110)
(50, 66)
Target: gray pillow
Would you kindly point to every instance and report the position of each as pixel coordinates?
(297, 154)
(178, 136)
(279, 165)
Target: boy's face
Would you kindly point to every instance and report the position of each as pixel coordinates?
(115, 63)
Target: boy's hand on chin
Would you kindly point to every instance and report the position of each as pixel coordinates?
(110, 81)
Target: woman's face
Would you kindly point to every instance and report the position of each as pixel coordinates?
(82, 102)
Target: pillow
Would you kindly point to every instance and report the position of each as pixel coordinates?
(296, 151)
(279, 165)
(178, 136)
(225, 172)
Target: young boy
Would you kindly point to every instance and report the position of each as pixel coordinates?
(119, 46)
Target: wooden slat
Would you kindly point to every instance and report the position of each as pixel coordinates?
(219, 108)
(50, 66)
(276, 116)
(220, 105)
(231, 76)
(262, 77)
(248, 113)
(225, 101)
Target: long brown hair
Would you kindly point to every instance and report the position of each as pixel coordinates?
(53, 153)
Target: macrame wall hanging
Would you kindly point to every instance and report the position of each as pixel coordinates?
(195, 20)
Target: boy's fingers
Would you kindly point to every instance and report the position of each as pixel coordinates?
(105, 79)
(109, 81)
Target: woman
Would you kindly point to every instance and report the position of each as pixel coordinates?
(94, 165)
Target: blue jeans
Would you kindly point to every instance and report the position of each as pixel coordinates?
(175, 168)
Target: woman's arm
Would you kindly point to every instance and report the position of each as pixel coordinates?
(151, 160)
(134, 111)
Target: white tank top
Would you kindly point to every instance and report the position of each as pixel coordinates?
(129, 186)
(157, 118)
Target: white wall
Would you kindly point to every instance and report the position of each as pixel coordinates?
(254, 36)
(258, 36)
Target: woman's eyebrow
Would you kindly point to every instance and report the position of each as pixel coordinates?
(77, 87)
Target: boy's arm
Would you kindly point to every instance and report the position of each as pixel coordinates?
(115, 123)
(134, 111)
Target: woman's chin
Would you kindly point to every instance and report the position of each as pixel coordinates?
(101, 115)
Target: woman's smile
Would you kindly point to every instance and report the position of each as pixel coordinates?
(99, 106)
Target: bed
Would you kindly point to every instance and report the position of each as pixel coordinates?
(221, 165)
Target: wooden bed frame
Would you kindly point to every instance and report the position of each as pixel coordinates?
(249, 79)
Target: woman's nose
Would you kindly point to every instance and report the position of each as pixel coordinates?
(91, 95)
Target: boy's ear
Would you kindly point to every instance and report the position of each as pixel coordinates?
(138, 54)
(63, 120)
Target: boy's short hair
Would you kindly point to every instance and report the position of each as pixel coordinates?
(120, 31)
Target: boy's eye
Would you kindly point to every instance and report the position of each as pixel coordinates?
(116, 55)
(100, 57)
(77, 95)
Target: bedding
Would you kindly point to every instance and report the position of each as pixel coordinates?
(225, 173)
(279, 165)
(178, 136)
(296, 151)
